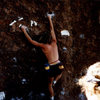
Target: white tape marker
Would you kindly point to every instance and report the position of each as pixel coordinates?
(20, 18)
(33, 23)
(12, 23)
(65, 32)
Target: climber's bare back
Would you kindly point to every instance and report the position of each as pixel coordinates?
(51, 52)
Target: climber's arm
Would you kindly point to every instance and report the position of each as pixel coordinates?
(23, 28)
(52, 29)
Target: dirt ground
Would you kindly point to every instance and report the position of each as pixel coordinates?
(22, 75)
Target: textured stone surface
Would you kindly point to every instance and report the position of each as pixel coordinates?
(21, 64)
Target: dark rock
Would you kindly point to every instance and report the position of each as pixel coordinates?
(22, 64)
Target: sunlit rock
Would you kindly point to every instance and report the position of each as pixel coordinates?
(91, 82)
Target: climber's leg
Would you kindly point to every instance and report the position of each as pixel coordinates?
(51, 91)
(56, 79)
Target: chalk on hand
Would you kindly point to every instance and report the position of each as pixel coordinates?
(65, 32)
(52, 14)
(12, 23)
(20, 25)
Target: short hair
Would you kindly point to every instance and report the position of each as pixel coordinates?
(45, 38)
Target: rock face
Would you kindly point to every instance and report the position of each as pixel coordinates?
(22, 74)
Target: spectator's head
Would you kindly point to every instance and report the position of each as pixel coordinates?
(91, 82)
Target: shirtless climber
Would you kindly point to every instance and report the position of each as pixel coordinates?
(54, 67)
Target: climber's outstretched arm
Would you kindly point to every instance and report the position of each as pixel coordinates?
(23, 28)
(52, 29)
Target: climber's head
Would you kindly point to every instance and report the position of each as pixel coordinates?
(45, 38)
